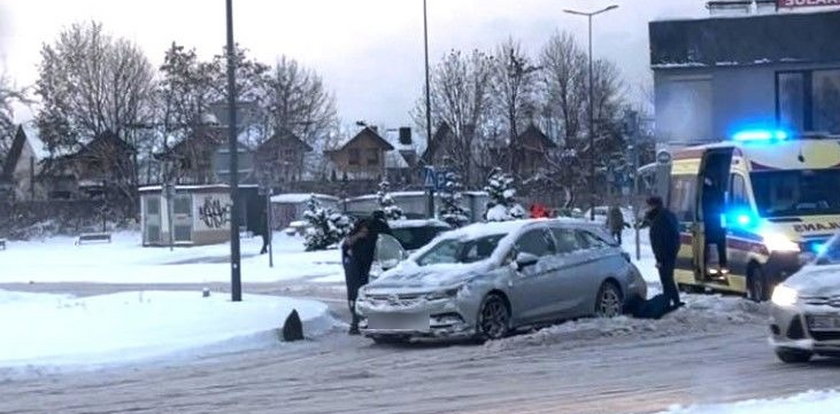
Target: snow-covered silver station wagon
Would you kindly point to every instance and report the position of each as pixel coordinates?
(487, 279)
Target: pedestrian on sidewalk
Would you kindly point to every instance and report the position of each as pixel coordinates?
(665, 242)
(265, 232)
(615, 222)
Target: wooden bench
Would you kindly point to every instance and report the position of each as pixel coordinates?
(2, 244)
(93, 237)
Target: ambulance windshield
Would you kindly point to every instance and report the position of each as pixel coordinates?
(797, 192)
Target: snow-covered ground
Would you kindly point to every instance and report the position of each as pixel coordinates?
(814, 402)
(57, 259)
(57, 332)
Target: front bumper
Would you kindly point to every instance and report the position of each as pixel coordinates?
(790, 329)
(411, 316)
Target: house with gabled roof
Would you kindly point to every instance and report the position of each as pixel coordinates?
(280, 159)
(362, 157)
(84, 173)
(20, 169)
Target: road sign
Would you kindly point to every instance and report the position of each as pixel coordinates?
(429, 177)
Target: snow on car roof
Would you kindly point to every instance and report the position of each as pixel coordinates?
(404, 224)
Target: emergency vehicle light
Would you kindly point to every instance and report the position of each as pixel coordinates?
(760, 135)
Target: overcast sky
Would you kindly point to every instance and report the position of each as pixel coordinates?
(370, 52)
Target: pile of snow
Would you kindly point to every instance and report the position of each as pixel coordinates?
(53, 332)
(809, 402)
(58, 259)
(701, 313)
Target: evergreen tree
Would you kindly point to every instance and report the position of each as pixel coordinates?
(326, 227)
(502, 205)
(451, 210)
(387, 204)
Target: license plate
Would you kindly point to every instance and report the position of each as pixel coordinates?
(824, 323)
(399, 321)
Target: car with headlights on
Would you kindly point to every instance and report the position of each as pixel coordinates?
(488, 279)
(805, 309)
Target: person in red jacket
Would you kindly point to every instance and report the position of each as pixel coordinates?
(538, 211)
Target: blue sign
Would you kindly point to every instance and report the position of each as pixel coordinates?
(434, 178)
(429, 177)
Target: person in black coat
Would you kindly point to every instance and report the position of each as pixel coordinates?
(357, 251)
(712, 202)
(665, 242)
(265, 232)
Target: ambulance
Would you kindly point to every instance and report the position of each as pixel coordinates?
(777, 199)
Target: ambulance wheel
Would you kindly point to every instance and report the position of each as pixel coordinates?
(758, 288)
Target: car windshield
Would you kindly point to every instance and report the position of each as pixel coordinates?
(413, 238)
(797, 192)
(830, 254)
(461, 250)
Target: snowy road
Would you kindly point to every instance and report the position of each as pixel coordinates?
(569, 370)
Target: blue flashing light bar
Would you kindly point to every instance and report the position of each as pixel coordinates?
(761, 135)
(740, 219)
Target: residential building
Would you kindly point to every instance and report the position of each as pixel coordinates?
(280, 159)
(20, 169)
(362, 157)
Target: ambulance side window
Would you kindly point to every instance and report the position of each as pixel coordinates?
(738, 192)
(683, 196)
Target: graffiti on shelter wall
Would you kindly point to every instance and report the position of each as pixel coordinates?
(213, 213)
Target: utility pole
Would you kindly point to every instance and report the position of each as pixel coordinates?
(431, 205)
(235, 265)
(589, 16)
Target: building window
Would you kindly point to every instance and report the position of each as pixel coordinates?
(809, 100)
(355, 157)
(372, 157)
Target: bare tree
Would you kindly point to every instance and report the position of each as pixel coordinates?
(460, 89)
(297, 101)
(90, 83)
(515, 84)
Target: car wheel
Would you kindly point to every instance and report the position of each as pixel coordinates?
(690, 288)
(390, 340)
(793, 356)
(609, 302)
(757, 287)
(493, 318)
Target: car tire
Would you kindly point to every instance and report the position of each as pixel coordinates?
(390, 340)
(493, 320)
(757, 285)
(609, 303)
(682, 287)
(793, 356)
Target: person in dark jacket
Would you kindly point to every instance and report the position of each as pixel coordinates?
(615, 223)
(665, 242)
(712, 202)
(265, 232)
(357, 251)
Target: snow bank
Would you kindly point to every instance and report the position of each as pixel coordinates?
(809, 402)
(53, 332)
(124, 260)
(702, 313)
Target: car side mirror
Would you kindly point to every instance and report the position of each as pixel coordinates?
(524, 260)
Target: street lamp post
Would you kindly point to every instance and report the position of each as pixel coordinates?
(431, 205)
(235, 270)
(591, 103)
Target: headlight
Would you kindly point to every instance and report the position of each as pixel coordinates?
(780, 243)
(443, 294)
(784, 296)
